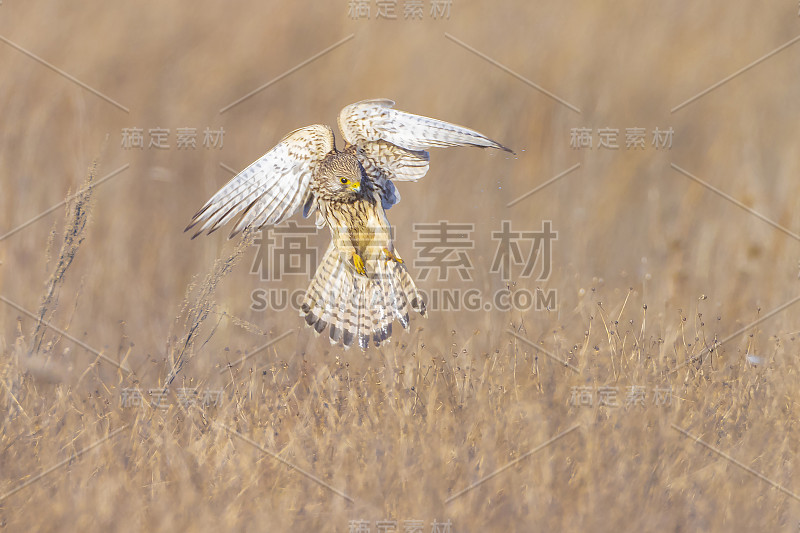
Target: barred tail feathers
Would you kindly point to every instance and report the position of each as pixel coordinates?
(359, 308)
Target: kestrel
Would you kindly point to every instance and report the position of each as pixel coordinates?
(362, 284)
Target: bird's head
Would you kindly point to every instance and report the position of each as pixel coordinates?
(340, 177)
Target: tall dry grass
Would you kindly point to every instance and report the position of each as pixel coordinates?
(662, 283)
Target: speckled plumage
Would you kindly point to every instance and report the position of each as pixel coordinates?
(361, 285)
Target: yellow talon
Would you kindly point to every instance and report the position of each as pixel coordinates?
(358, 263)
(392, 256)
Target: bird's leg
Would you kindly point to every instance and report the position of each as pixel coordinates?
(392, 256)
(358, 263)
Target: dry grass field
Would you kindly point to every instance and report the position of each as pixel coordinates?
(658, 393)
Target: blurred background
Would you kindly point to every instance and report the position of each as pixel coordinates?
(719, 245)
(622, 215)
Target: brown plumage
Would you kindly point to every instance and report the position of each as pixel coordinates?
(362, 285)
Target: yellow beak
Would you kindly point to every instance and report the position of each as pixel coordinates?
(355, 185)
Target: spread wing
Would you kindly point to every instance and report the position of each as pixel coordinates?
(272, 188)
(396, 141)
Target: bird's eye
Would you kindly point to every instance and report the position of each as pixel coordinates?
(343, 180)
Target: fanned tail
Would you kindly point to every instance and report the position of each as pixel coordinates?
(357, 307)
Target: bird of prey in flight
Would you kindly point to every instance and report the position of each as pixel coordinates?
(362, 285)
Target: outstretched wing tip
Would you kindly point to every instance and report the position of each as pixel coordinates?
(371, 121)
(237, 230)
(504, 148)
(271, 188)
